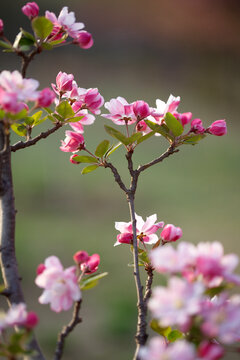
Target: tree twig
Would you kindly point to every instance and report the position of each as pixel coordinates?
(67, 330)
(116, 175)
(23, 144)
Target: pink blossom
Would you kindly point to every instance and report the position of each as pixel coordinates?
(171, 233)
(183, 118)
(66, 21)
(91, 264)
(218, 128)
(64, 82)
(16, 315)
(13, 83)
(210, 351)
(81, 257)
(121, 111)
(60, 285)
(87, 119)
(32, 320)
(9, 102)
(141, 109)
(31, 10)
(40, 268)
(145, 230)
(197, 126)
(157, 349)
(177, 303)
(142, 127)
(73, 142)
(45, 98)
(1, 27)
(162, 108)
(93, 100)
(221, 319)
(84, 40)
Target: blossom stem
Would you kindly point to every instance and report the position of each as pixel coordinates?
(67, 329)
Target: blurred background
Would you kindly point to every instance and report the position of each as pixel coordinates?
(143, 50)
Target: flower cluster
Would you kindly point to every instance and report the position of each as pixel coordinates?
(88, 264)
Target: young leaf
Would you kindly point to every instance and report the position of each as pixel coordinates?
(88, 169)
(193, 139)
(74, 119)
(28, 35)
(21, 115)
(174, 335)
(47, 46)
(48, 110)
(145, 137)
(134, 137)
(173, 124)
(42, 27)
(91, 281)
(85, 159)
(102, 148)
(65, 110)
(5, 45)
(2, 114)
(112, 149)
(29, 120)
(19, 129)
(158, 329)
(161, 129)
(116, 134)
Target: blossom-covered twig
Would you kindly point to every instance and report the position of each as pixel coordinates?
(67, 329)
(21, 144)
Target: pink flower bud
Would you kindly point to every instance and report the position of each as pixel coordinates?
(91, 265)
(81, 257)
(141, 109)
(218, 128)
(45, 98)
(197, 127)
(171, 233)
(72, 159)
(40, 269)
(184, 118)
(31, 10)
(84, 40)
(63, 82)
(32, 320)
(210, 351)
(93, 100)
(73, 142)
(1, 27)
(125, 238)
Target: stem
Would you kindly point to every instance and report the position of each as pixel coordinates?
(26, 59)
(8, 261)
(67, 329)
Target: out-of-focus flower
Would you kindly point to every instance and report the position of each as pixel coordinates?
(157, 349)
(63, 83)
(16, 315)
(210, 351)
(177, 303)
(145, 230)
(32, 320)
(60, 285)
(218, 128)
(9, 102)
(45, 98)
(1, 27)
(121, 112)
(84, 40)
(40, 268)
(31, 10)
(73, 142)
(91, 264)
(171, 233)
(197, 126)
(66, 22)
(14, 83)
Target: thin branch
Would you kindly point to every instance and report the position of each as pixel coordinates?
(23, 144)
(171, 150)
(26, 59)
(148, 288)
(67, 330)
(116, 175)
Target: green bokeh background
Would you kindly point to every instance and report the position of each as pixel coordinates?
(143, 50)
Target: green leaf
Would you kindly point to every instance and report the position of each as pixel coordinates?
(91, 281)
(51, 118)
(48, 110)
(164, 331)
(26, 42)
(144, 257)
(74, 119)
(116, 134)
(58, 117)
(112, 149)
(19, 129)
(161, 129)
(29, 120)
(37, 116)
(85, 159)
(89, 169)
(193, 139)
(5, 45)
(145, 137)
(134, 137)
(65, 110)
(215, 290)
(47, 46)
(173, 124)
(102, 148)
(174, 335)
(2, 114)
(28, 35)
(42, 27)
(21, 115)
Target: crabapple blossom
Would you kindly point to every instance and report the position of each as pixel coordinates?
(120, 110)
(218, 128)
(90, 265)
(197, 126)
(183, 118)
(210, 351)
(16, 315)
(87, 119)
(31, 10)
(157, 349)
(9, 102)
(63, 83)
(40, 268)
(141, 109)
(45, 98)
(81, 257)
(177, 303)
(171, 233)
(60, 285)
(32, 320)
(84, 40)
(162, 108)
(1, 27)
(93, 100)
(145, 230)
(73, 142)
(65, 22)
